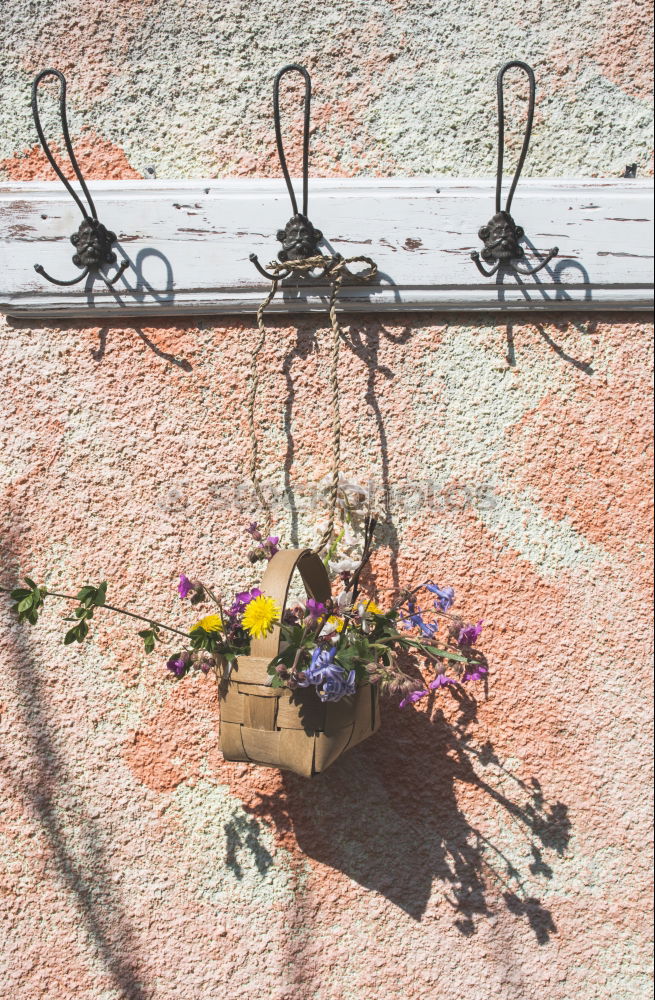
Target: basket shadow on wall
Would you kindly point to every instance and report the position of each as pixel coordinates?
(388, 816)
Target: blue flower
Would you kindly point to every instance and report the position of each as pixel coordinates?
(445, 596)
(330, 680)
(415, 620)
(337, 685)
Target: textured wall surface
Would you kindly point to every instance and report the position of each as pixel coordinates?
(491, 848)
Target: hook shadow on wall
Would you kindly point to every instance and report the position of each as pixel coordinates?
(417, 230)
(501, 236)
(92, 241)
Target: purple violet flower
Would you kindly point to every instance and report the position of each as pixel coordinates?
(315, 609)
(179, 664)
(254, 531)
(441, 681)
(445, 596)
(242, 600)
(273, 541)
(412, 698)
(469, 635)
(185, 586)
(475, 672)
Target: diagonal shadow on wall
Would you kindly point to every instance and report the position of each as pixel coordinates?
(84, 871)
(388, 816)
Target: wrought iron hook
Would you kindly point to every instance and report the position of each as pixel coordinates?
(294, 68)
(92, 241)
(299, 238)
(501, 236)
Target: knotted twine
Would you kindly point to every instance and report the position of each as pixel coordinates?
(335, 269)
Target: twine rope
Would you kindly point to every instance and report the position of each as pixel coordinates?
(335, 269)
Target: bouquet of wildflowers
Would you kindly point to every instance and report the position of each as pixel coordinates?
(334, 647)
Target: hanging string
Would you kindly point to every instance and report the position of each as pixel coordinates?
(335, 270)
(252, 398)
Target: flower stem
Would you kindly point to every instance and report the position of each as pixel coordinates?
(122, 611)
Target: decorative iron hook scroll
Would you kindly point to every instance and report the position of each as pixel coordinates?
(299, 238)
(501, 236)
(92, 241)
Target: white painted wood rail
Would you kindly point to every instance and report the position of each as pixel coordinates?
(188, 244)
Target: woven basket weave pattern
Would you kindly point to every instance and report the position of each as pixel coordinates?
(276, 727)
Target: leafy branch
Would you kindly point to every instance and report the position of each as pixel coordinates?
(28, 602)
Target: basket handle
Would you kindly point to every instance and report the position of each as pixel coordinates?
(276, 582)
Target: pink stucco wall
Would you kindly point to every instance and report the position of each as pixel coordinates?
(492, 849)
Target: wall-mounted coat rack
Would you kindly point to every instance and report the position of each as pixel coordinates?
(188, 244)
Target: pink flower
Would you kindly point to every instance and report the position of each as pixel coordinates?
(185, 586)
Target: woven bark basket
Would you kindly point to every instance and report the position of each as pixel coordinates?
(291, 730)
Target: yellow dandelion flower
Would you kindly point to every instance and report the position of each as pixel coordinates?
(372, 608)
(210, 623)
(259, 616)
(336, 624)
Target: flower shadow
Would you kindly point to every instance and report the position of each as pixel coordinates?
(389, 816)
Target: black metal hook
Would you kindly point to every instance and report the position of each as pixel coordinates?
(92, 241)
(299, 238)
(501, 236)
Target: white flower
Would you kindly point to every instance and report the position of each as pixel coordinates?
(344, 566)
(345, 600)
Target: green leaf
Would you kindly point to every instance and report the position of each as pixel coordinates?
(24, 604)
(277, 682)
(31, 583)
(429, 650)
(150, 637)
(85, 593)
(446, 654)
(101, 594)
(71, 636)
(347, 658)
(19, 593)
